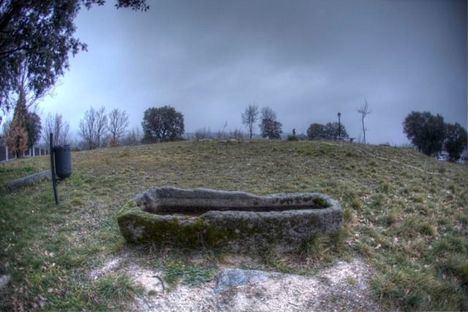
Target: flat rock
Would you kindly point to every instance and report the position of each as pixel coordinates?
(229, 278)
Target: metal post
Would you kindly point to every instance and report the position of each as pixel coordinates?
(52, 168)
(7, 152)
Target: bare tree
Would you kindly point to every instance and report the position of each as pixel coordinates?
(118, 123)
(93, 127)
(101, 126)
(202, 134)
(87, 128)
(58, 127)
(133, 137)
(268, 113)
(250, 117)
(364, 111)
(221, 134)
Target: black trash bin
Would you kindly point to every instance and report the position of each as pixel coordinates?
(63, 161)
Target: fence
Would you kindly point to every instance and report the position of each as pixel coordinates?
(6, 154)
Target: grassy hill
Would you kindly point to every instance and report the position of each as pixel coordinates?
(405, 214)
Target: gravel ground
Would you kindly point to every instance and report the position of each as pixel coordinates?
(342, 287)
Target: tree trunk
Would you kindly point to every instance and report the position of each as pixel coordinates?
(363, 129)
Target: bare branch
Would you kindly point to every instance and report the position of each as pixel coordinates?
(364, 111)
(118, 123)
(250, 117)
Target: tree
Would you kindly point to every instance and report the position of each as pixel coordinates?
(87, 128)
(56, 125)
(330, 131)
(333, 130)
(455, 140)
(250, 117)
(17, 139)
(133, 137)
(364, 111)
(162, 124)
(317, 132)
(93, 127)
(270, 127)
(101, 126)
(33, 128)
(425, 131)
(118, 123)
(37, 37)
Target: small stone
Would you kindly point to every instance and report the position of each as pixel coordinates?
(229, 278)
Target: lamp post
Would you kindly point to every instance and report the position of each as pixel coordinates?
(339, 126)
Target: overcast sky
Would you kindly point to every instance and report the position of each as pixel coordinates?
(307, 60)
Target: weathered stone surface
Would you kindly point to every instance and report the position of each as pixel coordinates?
(229, 278)
(28, 180)
(176, 200)
(241, 221)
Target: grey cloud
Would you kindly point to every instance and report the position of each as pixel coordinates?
(306, 59)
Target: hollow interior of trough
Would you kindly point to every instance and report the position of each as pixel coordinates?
(197, 210)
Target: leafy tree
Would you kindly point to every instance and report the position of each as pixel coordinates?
(317, 131)
(17, 139)
(271, 129)
(425, 131)
(269, 126)
(162, 124)
(330, 131)
(455, 140)
(333, 130)
(36, 38)
(250, 117)
(33, 128)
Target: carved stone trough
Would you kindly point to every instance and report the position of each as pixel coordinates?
(231, 220)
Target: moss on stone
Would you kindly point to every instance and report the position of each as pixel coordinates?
(233, 230)
(142, 227)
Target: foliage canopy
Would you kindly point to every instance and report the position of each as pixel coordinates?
(161, 124)
(425, 131)
(36, 39)
(455, 141)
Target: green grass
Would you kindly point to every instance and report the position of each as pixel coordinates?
(192, 275)
(404, 212)
(116, 289)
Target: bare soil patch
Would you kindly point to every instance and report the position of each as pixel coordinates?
(343, 286)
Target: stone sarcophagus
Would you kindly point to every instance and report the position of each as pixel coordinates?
(230, 220)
